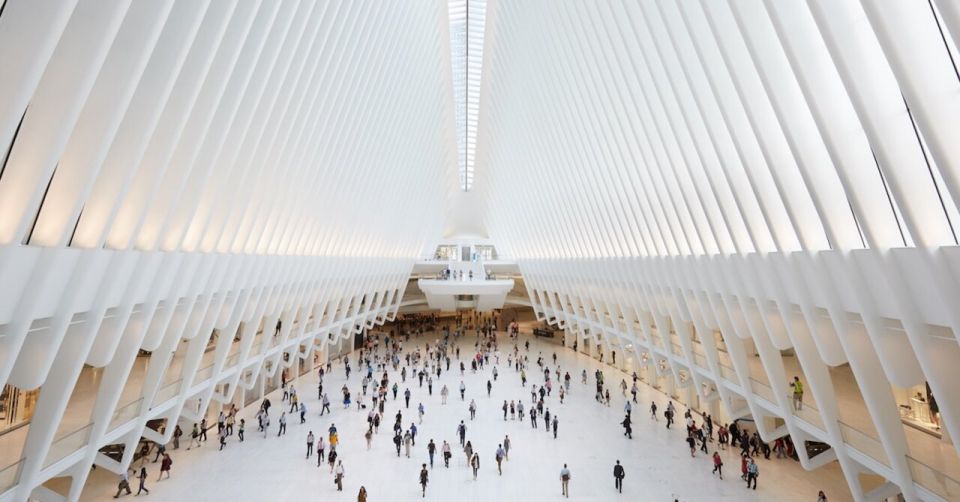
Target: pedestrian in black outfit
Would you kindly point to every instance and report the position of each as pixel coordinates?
(143, 481)
(618, 476)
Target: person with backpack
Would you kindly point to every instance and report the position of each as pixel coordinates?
(618, 476)
(446, 454)
(565, 480)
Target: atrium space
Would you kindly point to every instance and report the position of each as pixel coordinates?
(743, 212)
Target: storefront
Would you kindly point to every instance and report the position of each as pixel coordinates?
(918, 408)
(16, 407)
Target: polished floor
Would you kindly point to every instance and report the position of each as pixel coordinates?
(657, 461)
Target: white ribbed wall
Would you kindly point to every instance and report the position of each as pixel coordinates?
(671, 174)
(179, 167)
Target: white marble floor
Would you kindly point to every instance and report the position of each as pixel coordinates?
(657, 461)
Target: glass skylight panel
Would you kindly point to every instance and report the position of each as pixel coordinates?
(467, 18)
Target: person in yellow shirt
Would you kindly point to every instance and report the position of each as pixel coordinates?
(797, 393)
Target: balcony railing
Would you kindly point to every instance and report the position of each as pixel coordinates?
(125, 413)
(10, 476)
(937, 482)
(867, 445)
(67, 444)
(168, 391)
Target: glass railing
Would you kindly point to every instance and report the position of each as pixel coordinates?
(763, 390)
(204, 374)
(125, 413)
(867, 445)
(67, 444)
(167, 392)
(936, 481)
(10, 476)
(808, 413)
(729, 373)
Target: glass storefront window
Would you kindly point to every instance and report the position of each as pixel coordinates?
(16, 407)
(918, 408)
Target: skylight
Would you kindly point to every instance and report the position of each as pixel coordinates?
(466, 46)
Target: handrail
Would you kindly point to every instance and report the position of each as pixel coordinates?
(10, 476)
(867, 445)
(67, 444)
(204, 374)
(168, 391)
(936, 481)
(763, 390)
(125, 413)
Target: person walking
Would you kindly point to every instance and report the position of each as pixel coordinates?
(332, 459)
(821, 497)
(565, 480)
(124, 484)
(618, 476)
(177, 433)
(506, 447)
(431, 450)
(499, 456)
(444, 392)
(165, 465)
(653, 411)
(310, 441)
(475, 464)
(753, 471)
(473, 409)
(338, 476)
(283, 424)
(143, 481)
(320, 450)
(240, 427)
(446, 454)
(303, 412)
(555, 421)
(194, 437)
(463, 390)
(325, 405)
(462, 432)
(717, 464)
(362, 496)
(424, 477)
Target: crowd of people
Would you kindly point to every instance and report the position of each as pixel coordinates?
(390, 363)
